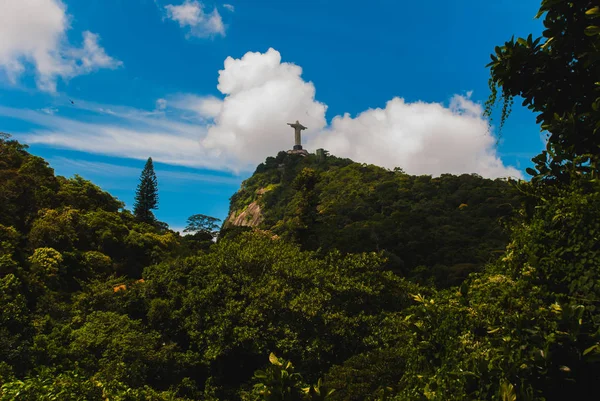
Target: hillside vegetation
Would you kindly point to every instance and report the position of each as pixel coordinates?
(433, 230)
(352, 284)
(95, 297)
(96, 305)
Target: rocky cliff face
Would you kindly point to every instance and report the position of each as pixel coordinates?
(250, 217)
(271, 180)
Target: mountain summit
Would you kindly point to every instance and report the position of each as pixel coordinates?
(431, 229)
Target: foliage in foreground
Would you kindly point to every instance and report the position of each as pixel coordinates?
(77, 322)
(527, 328)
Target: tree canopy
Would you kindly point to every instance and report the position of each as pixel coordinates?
(436, 230)
(356, 283)
(556, 75)
(202, 223)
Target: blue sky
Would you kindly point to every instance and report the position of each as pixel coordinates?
(206, 88)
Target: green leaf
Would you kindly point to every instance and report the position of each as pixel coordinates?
(592, 30)
(595, 347)
(547, 42)
(419, 298)
(531, 171)
(259, 374)
(593, 11)
(507, 392)
(273, 359)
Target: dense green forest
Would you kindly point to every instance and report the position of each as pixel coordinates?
(330, 280)
(432, 230)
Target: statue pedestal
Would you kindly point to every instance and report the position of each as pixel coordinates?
(300, 152)
(297, 147)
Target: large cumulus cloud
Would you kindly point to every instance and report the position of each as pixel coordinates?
(33, 33)
(260, 94)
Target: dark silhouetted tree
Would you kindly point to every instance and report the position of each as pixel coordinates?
(202, 223)
(556, 76)
(146, 195)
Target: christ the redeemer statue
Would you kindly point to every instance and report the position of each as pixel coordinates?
(298, 130)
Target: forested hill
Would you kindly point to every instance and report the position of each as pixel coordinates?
(433, 230)
(97, 303)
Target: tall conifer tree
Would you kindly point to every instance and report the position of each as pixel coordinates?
(146, 195)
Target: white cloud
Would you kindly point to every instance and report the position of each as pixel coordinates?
(421, 138)
(115, 170)
(191, 14)
(49, 110)
(206, 107)
(92, 56)
(132, 135)
(260, 95)
(161, 104)
(33, 32)
(229, 7)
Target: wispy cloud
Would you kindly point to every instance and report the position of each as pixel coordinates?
(229, 7)
(161, 104)
(204, 107)
(191, 15)
(132, 135)
(49, 110)
(260, 94)
(103, 169)
(116, 170)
